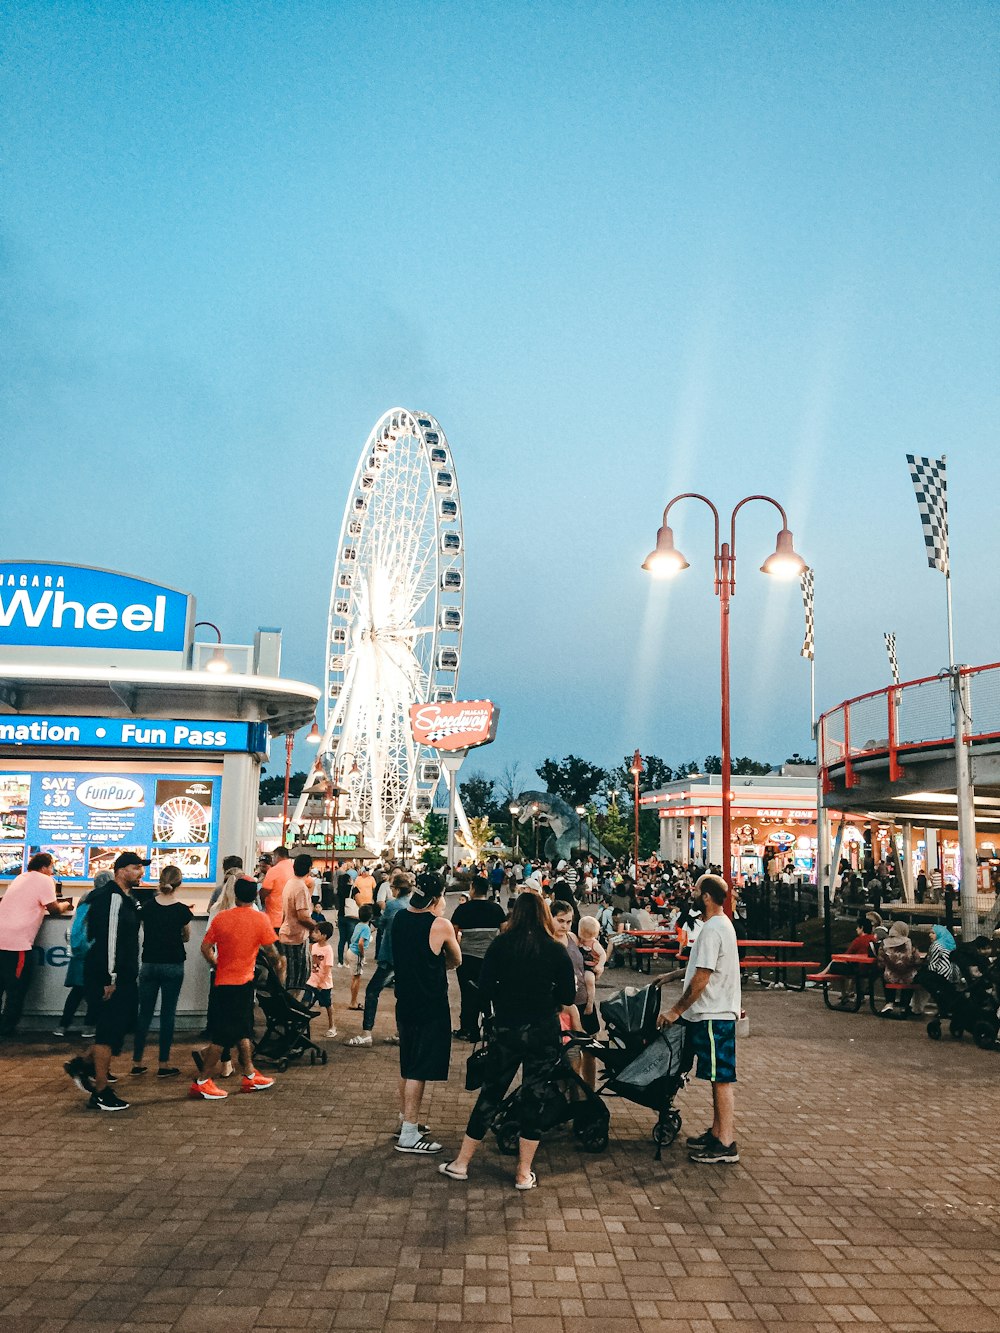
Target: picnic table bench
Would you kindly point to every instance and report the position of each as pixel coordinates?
(865, 970)
(774, 960)
(651, 944)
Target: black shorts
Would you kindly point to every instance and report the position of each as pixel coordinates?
(113, 1019)
(424, 1049)
(230, 1014)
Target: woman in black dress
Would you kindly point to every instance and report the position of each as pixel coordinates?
(527, 977)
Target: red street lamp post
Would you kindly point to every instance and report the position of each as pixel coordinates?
(313, 739)
(635, 768)
(664, 561)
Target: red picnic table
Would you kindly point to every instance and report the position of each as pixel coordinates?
(864, 968)
(658, 945)
(777, 962)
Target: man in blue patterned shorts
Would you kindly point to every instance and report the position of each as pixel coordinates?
(710, 1004)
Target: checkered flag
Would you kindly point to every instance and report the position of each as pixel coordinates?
(890, 648)
(807, 581)
(931, 486)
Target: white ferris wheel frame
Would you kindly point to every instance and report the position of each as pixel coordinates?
(395, 625)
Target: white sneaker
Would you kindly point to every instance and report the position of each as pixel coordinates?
(362, 1039)
(331, 1032)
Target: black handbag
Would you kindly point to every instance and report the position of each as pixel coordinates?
(477, 1069)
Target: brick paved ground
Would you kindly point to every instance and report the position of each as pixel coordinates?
(867, 1195)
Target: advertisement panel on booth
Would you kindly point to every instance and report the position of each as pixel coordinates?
(84, 820)
(456, 726)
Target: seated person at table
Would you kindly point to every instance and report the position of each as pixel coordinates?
(620, 943)
(861, 945)
(899, 961)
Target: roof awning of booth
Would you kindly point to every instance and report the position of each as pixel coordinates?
(284, 705)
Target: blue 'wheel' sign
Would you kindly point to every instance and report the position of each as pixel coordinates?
(74, 606)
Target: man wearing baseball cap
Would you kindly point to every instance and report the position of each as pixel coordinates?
(111, 980)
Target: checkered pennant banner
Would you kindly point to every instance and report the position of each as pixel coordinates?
(807, 581)
(931, 486)
(890, 648)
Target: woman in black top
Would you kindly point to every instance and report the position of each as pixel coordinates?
(166, 928)
(527, 977)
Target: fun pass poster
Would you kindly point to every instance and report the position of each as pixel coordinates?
(86, 820)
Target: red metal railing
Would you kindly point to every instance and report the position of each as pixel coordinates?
(903, 718)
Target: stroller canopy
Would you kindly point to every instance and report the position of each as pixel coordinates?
(631, 1012)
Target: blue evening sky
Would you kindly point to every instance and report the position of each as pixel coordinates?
(619, 250)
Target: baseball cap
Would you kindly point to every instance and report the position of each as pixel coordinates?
(129, 859)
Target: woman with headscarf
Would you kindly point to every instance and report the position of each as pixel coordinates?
(899, 962)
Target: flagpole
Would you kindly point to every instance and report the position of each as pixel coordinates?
(947, 586)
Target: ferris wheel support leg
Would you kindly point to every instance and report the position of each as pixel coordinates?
(463, 821)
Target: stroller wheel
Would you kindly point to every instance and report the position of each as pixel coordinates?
(956, 1030)
(508, 1138)
(934, 1029)
(322, 1058)
(985, 1036)
(594, 1139)
(667, 1129)
(283, 1065)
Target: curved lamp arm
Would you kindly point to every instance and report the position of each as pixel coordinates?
(695, 495)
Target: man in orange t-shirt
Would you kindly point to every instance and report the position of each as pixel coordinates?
(272, 889)
(364, 887)
(231, 943)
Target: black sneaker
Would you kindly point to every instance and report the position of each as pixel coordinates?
(79, 1073)
(701, 1140)
(715, 1152)
(108, 1100)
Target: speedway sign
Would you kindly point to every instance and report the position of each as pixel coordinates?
(456, 726)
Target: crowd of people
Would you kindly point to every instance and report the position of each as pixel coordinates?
(528, 944)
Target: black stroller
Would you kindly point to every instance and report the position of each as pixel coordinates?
(286, 1036)
(568, 1100)
(966, 1000)
(642, 1063)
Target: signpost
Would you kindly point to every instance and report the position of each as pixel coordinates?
(453, 730)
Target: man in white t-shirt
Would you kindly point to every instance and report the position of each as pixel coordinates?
(710, 1004)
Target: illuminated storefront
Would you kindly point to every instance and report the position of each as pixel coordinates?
(773, 817)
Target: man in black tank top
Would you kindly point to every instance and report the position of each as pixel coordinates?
(424, 949)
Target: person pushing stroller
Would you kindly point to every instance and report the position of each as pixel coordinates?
(709, 1006)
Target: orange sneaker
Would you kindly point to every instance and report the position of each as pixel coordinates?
(207, 1090)
(256, 1084)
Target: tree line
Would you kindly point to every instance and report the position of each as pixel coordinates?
(607, 793)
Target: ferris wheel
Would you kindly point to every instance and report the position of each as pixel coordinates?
(394, 634)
